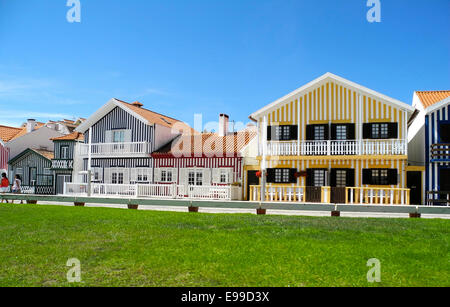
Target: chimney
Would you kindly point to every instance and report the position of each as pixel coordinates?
(137, 104)
(31, 124)
(223, 124)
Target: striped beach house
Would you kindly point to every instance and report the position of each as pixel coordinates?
(6, 134)
(429, 143)
(34, 167)
(208, 165)
(65, 164)
(118, 141)
(333, 141)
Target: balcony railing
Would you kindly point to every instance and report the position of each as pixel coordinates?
(337, 148)
(116, 149)
(440, 152)
(62, 164)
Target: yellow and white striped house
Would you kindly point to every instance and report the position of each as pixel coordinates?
(335, 141)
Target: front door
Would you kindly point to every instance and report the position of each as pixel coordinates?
(252, 179)
(60, 181)
(315, 180)
(32, 176)
(414, 183)
(339, 180)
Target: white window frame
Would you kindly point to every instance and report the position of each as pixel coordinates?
(64, 152)
(166, 175)
(197, 174)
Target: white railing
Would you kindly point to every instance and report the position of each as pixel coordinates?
(279, 193)
(62, 164)
(377, 196)
(169, 191)
(116, 149)
(209, 192)
(335, 148)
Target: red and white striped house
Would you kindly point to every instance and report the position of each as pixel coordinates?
(207, 160)
(6, 134)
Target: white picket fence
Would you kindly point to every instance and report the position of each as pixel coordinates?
(168, 191)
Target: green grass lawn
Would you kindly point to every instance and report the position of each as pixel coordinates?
(143, 248)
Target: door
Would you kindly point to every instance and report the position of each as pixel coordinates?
(414, 183)
(444, 183)
(315, 180)
(339, 180)
(252, 179)
(32, 179)
(60, 181)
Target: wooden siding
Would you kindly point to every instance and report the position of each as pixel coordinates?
(120, 119)
(432, 121)
(30, 160)
(4, 157)
(57, 149)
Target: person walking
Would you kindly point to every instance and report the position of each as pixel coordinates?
(4, 185)
(17, 187)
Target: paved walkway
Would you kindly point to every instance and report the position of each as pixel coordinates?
(253, 211)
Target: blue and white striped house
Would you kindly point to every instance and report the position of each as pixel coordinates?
(119, 139)
(430, 141)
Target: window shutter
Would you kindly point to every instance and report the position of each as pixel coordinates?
(393, 176)
(351, 132)
(230, 175)
(133, 174)
(100, 173)
(157, 175)
(309, 132)
(183, 178)
(367, 131)
(174, 175)
(333, 131)
(393, 130)
(309, 177)
(294, 133)
(207, 177)
(126, 176)
(271, 175)
(269, 133)
(327, 132)
(108, 136)
(333, 177)
(107, 178)
(367, 176)
(216, 175)
(292, 178)
(350, 180)
(127, 136)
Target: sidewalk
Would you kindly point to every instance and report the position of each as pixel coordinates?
(252, 211)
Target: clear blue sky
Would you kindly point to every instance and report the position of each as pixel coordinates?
(181, 57)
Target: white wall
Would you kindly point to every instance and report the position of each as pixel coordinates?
(35, 139)
(163, 135)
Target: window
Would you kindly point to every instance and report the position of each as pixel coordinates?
(319, 178)
(65, 152)
(195, 178)
(117, 178)
(341, 178)
(282, 175)
(380, 131)
(380, 177)
(97, 173)
(282, 133)
(319, 133)
(223, 176)
(19, 171)
(166, 176)
(119, 136)
(341, 132)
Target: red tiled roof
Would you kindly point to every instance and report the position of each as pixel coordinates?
(209, 144)
(429, 98)
(74, 136)
(8, 133)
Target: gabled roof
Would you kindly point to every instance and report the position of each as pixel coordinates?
(205, 144)
(438, 105)
(8, 133)
(146, 116)
(331, 77)
(74, 136)
(429, 98)
(49, 155)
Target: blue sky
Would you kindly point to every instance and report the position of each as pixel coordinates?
(181, 57)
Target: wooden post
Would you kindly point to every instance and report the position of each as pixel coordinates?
(32, 202)
(193, 209)
(336, 213)
(133, 207)
(77, 204)
(415, 215)
(261, 211)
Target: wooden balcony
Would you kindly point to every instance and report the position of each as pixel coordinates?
(102, 150)
(337, 148)
(60, 164)
(440, 153)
